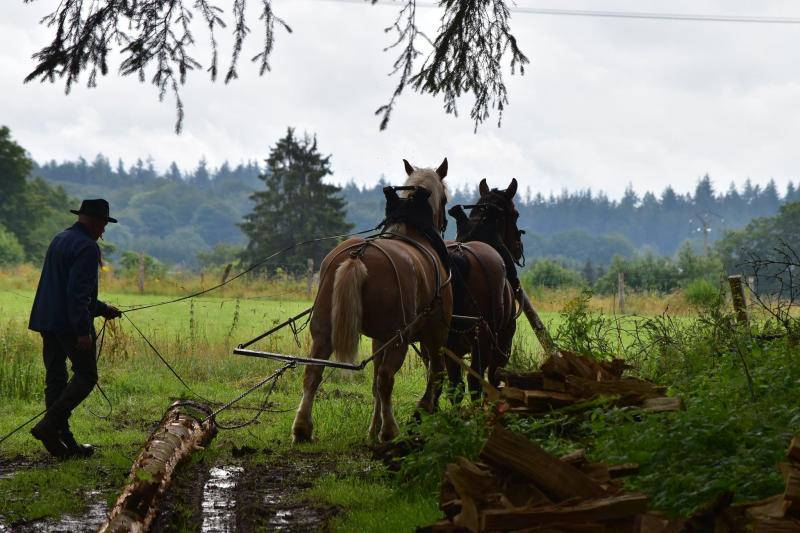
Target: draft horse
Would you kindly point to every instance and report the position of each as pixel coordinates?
(380, 286)
(488, 244)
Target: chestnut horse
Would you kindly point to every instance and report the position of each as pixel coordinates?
(484, 278)
(379, 287)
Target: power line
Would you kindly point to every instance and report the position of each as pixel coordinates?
(615, 14)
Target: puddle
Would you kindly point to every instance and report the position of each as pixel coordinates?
(270, 495)
(91, 520)
(219, 500)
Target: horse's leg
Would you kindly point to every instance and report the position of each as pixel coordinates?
(455, 377)
(385, 369)
(302, 426)
(375, 423)
(430, 400)
(482, 355)
(500, 357)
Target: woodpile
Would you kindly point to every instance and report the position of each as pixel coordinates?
(572, 380)
(520, 486)
(180, 432)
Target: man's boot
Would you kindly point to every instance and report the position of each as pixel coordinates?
(74, 449)
(51, 439)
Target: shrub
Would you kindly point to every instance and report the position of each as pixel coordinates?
(550, 274)
(702, 294)
(11, 252)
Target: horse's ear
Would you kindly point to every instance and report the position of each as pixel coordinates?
(512, 189)
(483, 187)
(409, 168)
(442, 170)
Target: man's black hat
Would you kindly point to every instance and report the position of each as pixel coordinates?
(95, 208)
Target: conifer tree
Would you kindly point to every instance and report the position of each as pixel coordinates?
(296, 206)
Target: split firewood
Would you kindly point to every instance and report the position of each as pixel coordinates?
(467, 516)
(525, 380)
(791, 475)
(559, 481)
(537, 400)
(793, 453)
(663, 404)
(634, 389)
(770, 508)
(585, 511)
(179, 434)
(571, 363)
(576, 458)
(627, 469)
(773, 525)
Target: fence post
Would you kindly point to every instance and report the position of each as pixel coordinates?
(739, 302)
(141, 272)
(751, 288)
(226, 273)
(621, 291)
(310, 276)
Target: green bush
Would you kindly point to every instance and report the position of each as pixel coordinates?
(702, 294)
(153, 268)
(444, 436)
(11, 252)
(550, 274)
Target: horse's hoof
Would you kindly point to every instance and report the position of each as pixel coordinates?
(389, 436)
(301, 434)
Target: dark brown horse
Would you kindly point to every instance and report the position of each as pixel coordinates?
(488, 243)
(379, 287)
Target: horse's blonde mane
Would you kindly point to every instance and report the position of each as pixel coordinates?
(430, 180)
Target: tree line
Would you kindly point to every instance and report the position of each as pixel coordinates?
(205, 216)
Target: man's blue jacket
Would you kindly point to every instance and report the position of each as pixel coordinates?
(66, 299)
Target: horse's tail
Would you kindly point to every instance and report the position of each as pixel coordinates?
(347, 309)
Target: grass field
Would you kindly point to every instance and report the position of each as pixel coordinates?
(725, 439)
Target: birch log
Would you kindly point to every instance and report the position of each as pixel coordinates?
(179, 434)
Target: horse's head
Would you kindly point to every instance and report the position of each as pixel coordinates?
(433, 182)
(501, 208)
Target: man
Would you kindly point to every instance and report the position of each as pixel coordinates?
(63, 312)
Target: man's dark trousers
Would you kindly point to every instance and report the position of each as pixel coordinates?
(60, 395)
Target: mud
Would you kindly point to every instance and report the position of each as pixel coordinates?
(269, 495)
(249, 490)
(90, 520)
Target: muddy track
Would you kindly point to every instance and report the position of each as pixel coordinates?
(251, 491)
(246, 494)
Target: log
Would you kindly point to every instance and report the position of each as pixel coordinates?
(583, 512)
(559, 481)
(179, 433)
(547, 342)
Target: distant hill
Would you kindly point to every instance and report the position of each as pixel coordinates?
(175, 215)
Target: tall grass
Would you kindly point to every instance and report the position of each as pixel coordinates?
(21, 368)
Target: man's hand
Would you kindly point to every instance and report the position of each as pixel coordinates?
(112, 313)
(85, 343)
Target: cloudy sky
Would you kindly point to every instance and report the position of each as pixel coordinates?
(604, 102)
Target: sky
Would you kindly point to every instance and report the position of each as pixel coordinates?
(604, 103)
